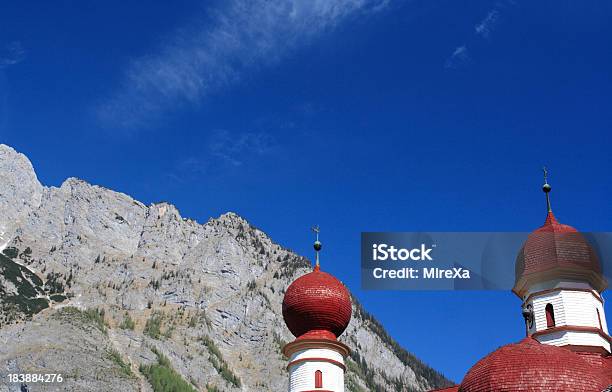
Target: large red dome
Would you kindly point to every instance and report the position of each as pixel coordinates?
(556, 250)
(531, 366)
(317, 305)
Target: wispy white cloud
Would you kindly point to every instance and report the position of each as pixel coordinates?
(223, 152)
(482, 32)
(235, 149)
(460, 57)
(239, 37)
(11, 54)
(488, 24)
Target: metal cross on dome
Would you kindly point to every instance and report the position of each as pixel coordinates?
(317, 243)
(317, 230)
(546, 188)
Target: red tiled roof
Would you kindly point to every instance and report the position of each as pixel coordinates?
(555, 246)
(598, 361)
(529, 366)
(317, 304)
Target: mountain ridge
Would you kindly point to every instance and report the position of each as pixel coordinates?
(148, 284)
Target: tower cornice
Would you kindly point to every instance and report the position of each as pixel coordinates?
(594, 278)
(304, 344)
(573, 328)
(557, 289)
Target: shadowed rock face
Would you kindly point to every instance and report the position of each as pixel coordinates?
(107, 291)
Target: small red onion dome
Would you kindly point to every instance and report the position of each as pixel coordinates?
(531, 366)
(317, 305)
(556, 250)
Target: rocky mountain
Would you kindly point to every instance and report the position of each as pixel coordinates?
(115, 295)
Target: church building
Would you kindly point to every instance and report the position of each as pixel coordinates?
(567, 346)
(317, 309)
(559, 280)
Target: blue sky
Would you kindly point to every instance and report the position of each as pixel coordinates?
(358, 115)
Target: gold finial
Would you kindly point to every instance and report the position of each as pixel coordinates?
(317, 244)
(546, 188)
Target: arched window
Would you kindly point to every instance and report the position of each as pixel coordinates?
(550, 316)
(599, 319)
(318, 379)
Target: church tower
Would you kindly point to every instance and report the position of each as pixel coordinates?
(559, 280)
(316, 309)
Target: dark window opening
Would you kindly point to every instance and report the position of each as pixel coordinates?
(599, 319)
(318, 379)
(550, 316)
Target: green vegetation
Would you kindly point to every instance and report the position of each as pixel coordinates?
(163, 378)
(211, 346)
(194, 320)
(280, 342)
(25, 255)
(57, 297)
(368, 375)
(125, 368)
(358, 366)
(54, 284)
(127, 322)
(240, 235)
(168, 333)
(15, 273)
(11, 252)
(289, 264)
(153, 326)
(212, 388)
(351, 384)
(96, 316)
(251, 285)
(90, 317)
(216, 359)
(423, 372)
(24, 302)
(198, 317)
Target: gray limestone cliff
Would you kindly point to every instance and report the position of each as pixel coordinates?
(119, 296)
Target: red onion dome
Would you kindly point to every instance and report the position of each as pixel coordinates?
(531, 366)
(317, 305)
(556, 251)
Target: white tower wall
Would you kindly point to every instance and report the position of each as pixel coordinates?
(577, 317)
(304, 363)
